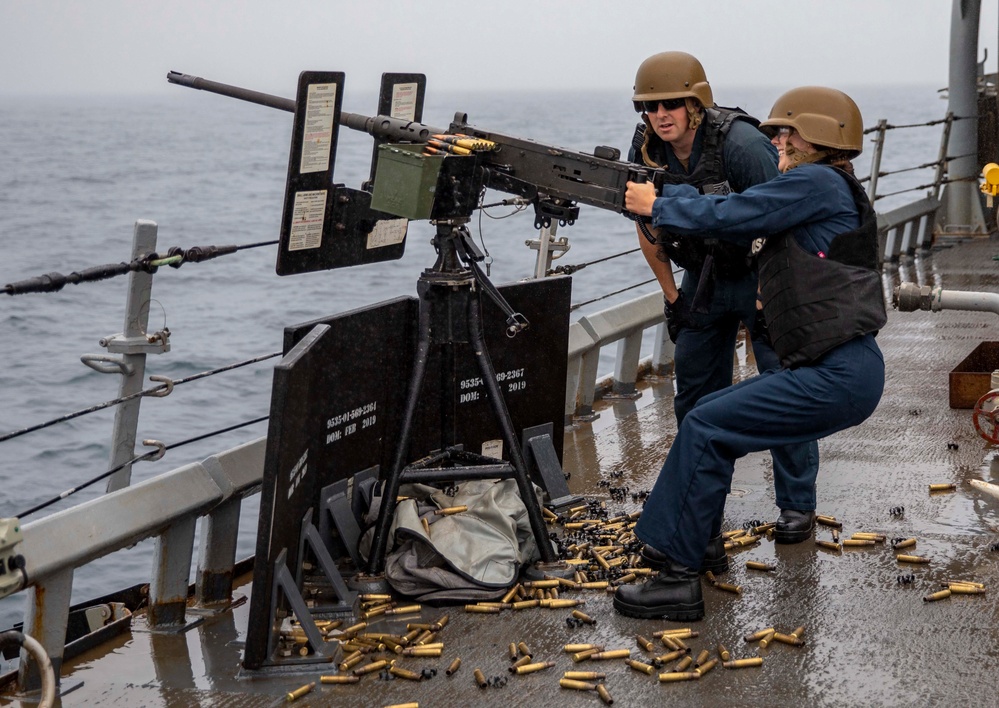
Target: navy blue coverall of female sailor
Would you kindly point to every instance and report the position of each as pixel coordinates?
(814, 203)
(705, 343)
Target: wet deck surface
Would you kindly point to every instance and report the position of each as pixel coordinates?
(869, 639)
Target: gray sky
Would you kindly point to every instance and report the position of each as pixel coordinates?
(127, 46)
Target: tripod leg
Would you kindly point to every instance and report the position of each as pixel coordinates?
(509, 437)
(379, 543)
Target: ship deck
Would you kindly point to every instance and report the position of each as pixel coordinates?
(870, 638)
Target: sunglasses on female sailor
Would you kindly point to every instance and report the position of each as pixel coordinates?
(669, 104)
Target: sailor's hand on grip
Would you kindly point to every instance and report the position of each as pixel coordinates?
(639, 198)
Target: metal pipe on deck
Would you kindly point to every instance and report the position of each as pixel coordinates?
(909, 297)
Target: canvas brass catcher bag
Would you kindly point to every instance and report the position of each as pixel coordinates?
(472, 555)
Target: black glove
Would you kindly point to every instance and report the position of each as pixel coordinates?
(674, 316)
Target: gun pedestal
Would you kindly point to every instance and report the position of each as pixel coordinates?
(449, 294)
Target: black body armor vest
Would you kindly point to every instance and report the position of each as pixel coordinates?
(730, 260)
(814, 304)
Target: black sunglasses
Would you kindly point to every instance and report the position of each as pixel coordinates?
(670, 104)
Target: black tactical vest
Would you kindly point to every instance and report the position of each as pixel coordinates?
(814, 304)
(731, 261)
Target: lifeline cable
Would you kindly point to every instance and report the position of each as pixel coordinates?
(146, 392)
(139, 458)
(570, 269)
(616, 292)
(150, 263)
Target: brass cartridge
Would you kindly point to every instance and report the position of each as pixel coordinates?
(684, 633)
(413, 631)
(483, 609)
(965, 582)
(424, 637)
(710, 577)
(789, 639)
(611, 654)
(480, 678)
(595, 585)
(757, 565)
(364, 597)
(573, 648)
(426, 525)
(585, 654)
(373, 666)
(706, 666)
(702, 656)
(763, 528)
(758, 635)
(639, 666)
(376, 611)
(831, 545)
(911, 559)
(828, 521)
(798, 631)
(728, 587)
(355, 628)
(723, 653)
(580, 615)
(405, 673)
(671, 656)
(511, 593)
(299, 692)
(670, 643)
(684, 664)
(422, 651)
(877, 537)
(522, 661)
(454, 666)
(940, 595)
(526, 604)
(746, 540)
(855, 542)
(548, 513)
(604, 694)
(350, 662)
(679, 676)
(584, 675)
(522, 648)
(441, 623)
(946, 487)
(576, 685)
(549, 583)
(645, 643)
(531, 668)
(743, 663)
(907, 543)
(404, 610)
(679, 643)
(625, 579)
(332, 678)
(835, 535)
(765, 641)
(448, 511)
(561, 604)
(512, 651)
(961, 589)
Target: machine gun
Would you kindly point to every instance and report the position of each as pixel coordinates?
(422, 172)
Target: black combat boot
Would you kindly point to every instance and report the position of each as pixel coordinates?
(794, 526)
(674, 594)
(715, 558)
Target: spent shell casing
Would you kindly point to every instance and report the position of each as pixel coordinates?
(912, 559)
(788, 639)
(869, 536)
(299, 692)
(765, 641)
(669, 642)
(702, 656)
(835, 535)
(405, 673)
(511, 593)
(946, 487)
(639, 666)
(743, 663)
(829, 545)
(480, 678)
(798, 632)
(855, 542)
(829, 521)
(512, 651)
(584, 655)
(906, 543)
(678, 676)
(679, 643)
(522, 648)
(684, 663)
(723, 653)
(758, 635)
(349, 663)
(940, 595)
(611, 654)
(670, 656)
(531, 668)
(561, 603)
(426, 525)
(625, 579)
(573, 648)
(710, 577)
(729, 587)
(522, 661)
(354, 628)
(965, 582)
(757, 565)
(483, 609)
(644, 643)
(454, 666)
(404, 610)
(684, 633)
(333, 678)
(576, 685)
(373, 666)
(960, 589)
(364, 597)
(604, 694)
(549, 583)
(526, 604)
(584, 675)
(422, 651)
(706, 666)
(441, 623)
(596, 584)
(582, 616)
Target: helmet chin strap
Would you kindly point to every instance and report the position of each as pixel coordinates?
(796, 157)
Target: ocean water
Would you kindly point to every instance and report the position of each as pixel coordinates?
(76, 173)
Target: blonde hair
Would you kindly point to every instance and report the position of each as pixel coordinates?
(695, 112)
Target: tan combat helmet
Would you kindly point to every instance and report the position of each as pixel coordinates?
(671, 75)
(823, 116)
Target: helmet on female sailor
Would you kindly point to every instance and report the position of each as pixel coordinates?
(824, 117)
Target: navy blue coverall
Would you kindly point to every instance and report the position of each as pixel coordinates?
(780, 407)
(705, 344)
